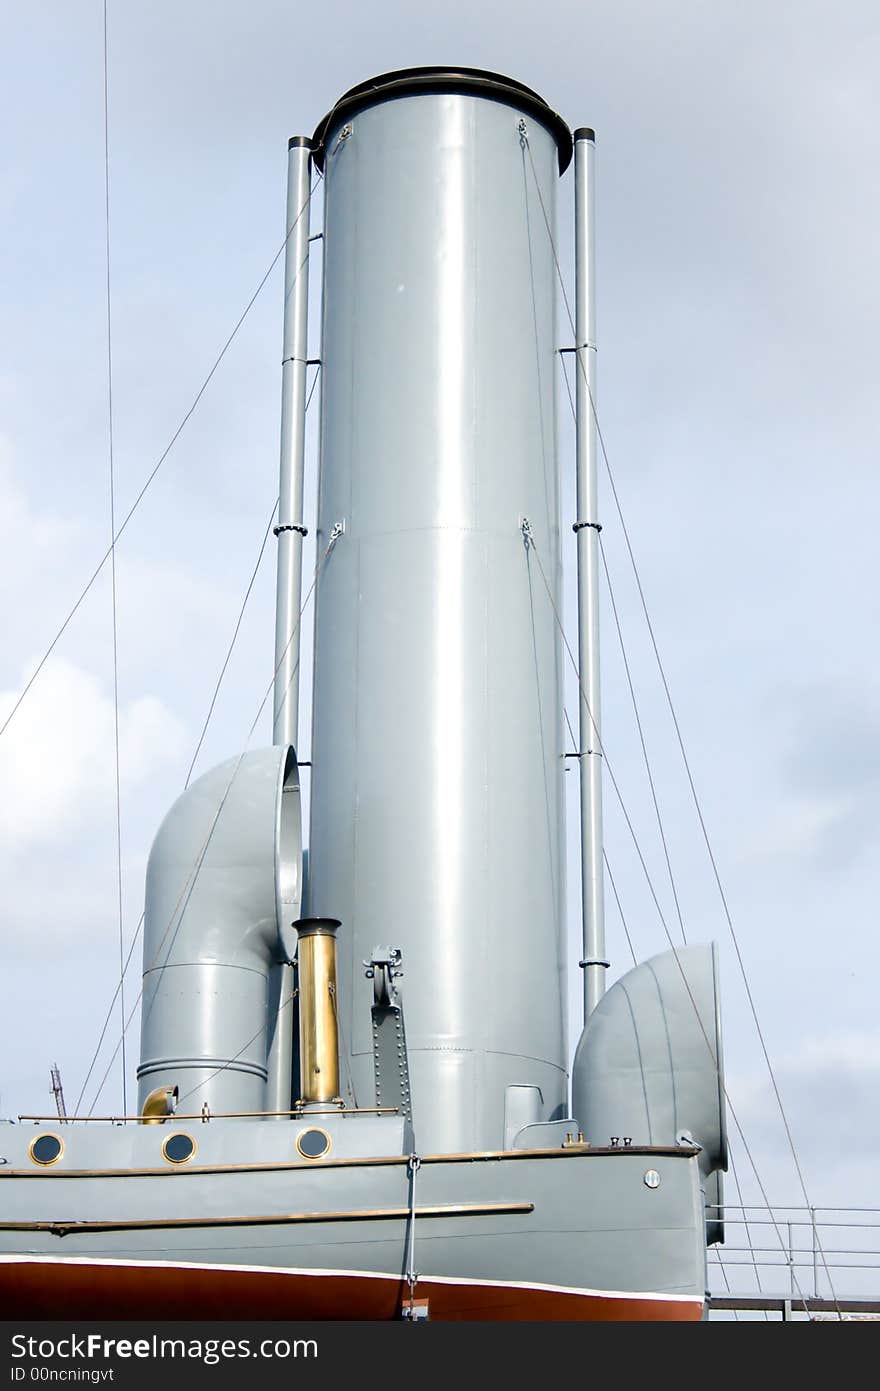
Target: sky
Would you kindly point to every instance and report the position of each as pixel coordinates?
(738, 195)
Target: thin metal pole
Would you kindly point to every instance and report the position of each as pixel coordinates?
(291, 534)
(587, 529)
(290, 531)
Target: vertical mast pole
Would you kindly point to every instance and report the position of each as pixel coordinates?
(291, 534)
(587, 530)
(290, 530)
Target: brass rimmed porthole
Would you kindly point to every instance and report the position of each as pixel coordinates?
(313, 1143)
(178, 1148)
(46, 1149)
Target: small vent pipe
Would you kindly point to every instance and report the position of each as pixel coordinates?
(317, 999)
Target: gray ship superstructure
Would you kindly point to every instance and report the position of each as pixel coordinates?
(355, 1097)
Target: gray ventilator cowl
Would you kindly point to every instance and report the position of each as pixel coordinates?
(224, 884)
(649, 1065)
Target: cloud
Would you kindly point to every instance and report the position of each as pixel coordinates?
(57, 757)
(829, 1087)
(798, 827)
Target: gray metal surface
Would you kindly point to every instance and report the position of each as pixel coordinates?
(223, 883)
(293, 427)
(593, 1222)
(290, 535)
(436, 803)
(649, 1066)
(587, 533)
(390, 1054)
(436, 817)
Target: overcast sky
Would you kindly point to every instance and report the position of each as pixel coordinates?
(738, 206)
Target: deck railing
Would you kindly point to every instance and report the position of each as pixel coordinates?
(797, 1261)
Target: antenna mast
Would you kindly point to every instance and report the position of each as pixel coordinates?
(291, 534)
(587, 531)
(58, 1093)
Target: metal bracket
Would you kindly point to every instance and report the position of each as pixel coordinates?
(341, 138)
(525, 527)
(523, 133)
(383, 969)
(390, 1058)
(337, 530)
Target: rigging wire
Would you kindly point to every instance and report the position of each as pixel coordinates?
(530, 542)
(660, 826)
(113, 552)
(629, 942)
(733, 1169)
(671, 705)
(638, 719)
(228, 657)
(119, 988)
(151, 476)
(187, 890)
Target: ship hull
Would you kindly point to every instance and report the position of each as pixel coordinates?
(574, 1234)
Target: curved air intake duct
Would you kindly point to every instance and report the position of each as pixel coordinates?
(224, 884)
(649, 1064)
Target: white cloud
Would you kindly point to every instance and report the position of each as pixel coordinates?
(796, 826)
(21, 529)
(57, 757)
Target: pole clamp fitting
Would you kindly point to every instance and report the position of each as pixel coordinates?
(579, 526)
(290, 526)
(592, 962)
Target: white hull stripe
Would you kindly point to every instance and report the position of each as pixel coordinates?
(354, 1274)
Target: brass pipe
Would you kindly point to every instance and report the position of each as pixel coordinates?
(316, 997)
(159, 1105)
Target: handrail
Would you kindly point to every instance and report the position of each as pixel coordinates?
(802, 1233)
(298, 1112)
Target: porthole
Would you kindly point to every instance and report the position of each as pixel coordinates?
(313, 1143)
(46, 1150)
(179, 1148)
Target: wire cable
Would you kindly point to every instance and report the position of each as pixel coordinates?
(638, 719)
(228, 657)
(119, 987)
(186, 892)
(701, 819)
(530, 542)
(201, 738)
(151, 476)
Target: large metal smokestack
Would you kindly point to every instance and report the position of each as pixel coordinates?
(437, 814)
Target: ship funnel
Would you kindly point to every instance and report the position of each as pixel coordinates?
(437, 736)
(318, 1026)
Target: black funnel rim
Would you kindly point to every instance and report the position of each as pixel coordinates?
(421, 81)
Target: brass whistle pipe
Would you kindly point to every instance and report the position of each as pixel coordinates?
(317, 1000)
